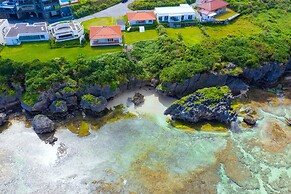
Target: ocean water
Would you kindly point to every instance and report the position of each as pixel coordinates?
(147, 155)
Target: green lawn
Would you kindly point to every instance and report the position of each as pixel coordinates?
(42, 51)
(132, 37)
(239, 27)
(105, 21)
(226, 15)
(191, 35)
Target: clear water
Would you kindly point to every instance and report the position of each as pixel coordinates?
(144, 155)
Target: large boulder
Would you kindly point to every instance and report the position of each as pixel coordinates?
(42, 124)
(93, 103)
(3, 118)
(205, 104)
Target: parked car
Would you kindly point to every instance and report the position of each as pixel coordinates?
(123, 1)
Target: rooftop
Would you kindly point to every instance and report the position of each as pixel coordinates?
(62, 27)
(101, 32)
(25, 28)
(183, 8)
(2, 21)
(213, 5)
(120, 22)
(141, 15)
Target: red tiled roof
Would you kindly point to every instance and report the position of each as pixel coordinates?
(141, 16)
(100, 32)
(213, 5)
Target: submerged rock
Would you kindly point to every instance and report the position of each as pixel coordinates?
(42, 124)
(138, 99)
(206, 104)
(250, 120)
(3, 118)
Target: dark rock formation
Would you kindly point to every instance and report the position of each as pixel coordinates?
(58, 106)
(138, 99)
(42, 124)
(205, 104)
(250, 120)
(93, 104)
(3, 118)
(263, 76)
(51, 140)
(9, 103)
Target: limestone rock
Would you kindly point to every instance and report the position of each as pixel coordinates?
(205, 104)
(42, 124)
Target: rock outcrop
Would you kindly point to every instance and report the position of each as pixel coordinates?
(93, 104)
(138, 99)
(3, 118)
(42, 124)
(205, 104)
(58, 106)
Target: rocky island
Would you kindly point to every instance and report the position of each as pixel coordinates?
(212, 103)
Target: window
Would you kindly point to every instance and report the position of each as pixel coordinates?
(160, 18)
(190, 17)
(182, 18)
(110, 39)
(41, 36)
(166, 18)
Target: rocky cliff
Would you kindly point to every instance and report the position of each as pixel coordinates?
(212, 103)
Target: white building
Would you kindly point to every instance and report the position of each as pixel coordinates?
(4, 27)
(24, 32)
(176, 14)
(63, 31)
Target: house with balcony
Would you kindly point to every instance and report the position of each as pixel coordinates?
(176, 15)
(141, 18)
(64, 31)
(47, 9)
(24, 32)
(208, 9)
(105, 35)
(4, 27)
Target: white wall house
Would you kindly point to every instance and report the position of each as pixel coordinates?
(64, 31)
(24, 32)
(105, 35)
(182, 13)
(4, 27)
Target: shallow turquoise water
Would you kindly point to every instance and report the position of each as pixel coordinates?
(145, 155)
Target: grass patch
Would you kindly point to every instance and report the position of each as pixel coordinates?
(229, 13)
(132, 37)
(104, 21)
(191, 35)
(43, 52)
(239, 27)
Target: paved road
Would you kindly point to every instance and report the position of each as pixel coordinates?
(116, 10)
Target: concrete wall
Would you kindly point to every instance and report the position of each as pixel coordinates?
(105, 42)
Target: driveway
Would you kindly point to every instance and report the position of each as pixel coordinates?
(116, 10)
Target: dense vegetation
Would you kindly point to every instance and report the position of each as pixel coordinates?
(167, 59)
(87, 7)
(172, 61)
(255, 6)
(151, 4)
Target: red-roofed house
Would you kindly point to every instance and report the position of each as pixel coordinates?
(210, 8)
(141, 17)
(105, 35)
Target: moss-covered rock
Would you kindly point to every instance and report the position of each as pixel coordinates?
(93, 104)
(212, 103)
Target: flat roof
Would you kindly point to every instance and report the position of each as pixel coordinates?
(183, 8)
(25, 28)
(120, 22)
(2, 21)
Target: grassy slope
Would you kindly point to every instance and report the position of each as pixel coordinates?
(193, 35)
(42, 51)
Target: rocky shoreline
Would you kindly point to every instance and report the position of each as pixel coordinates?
(63, 101)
